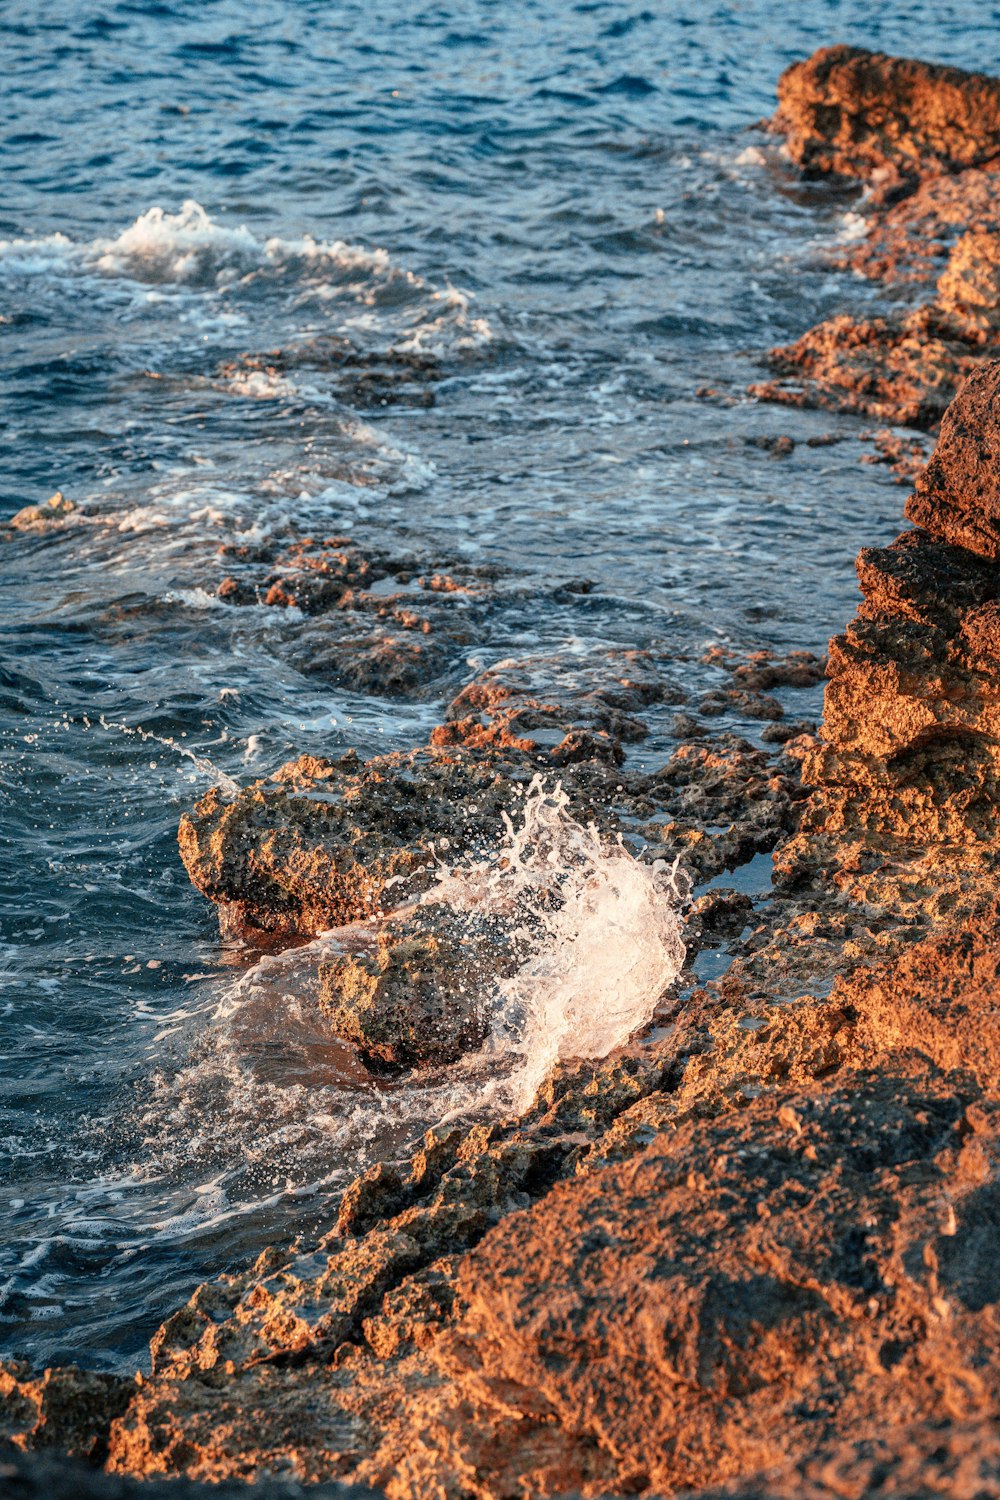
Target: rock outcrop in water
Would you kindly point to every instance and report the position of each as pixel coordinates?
(926, 142)
(856, 112)
(418, 994)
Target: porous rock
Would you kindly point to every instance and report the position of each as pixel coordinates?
(852, 111)
(421, 994)
(926, 140)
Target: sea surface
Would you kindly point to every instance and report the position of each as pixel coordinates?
(569, 213)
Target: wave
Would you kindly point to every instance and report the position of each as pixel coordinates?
(189, 252)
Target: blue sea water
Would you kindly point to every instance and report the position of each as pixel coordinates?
(570, 210)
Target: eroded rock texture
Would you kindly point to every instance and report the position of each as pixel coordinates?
(851, 111)
(752, 1252)
(907, 765)
(756, 1249)
(740, 1248)
(926, 142)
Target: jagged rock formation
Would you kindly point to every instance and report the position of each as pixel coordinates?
(906, 817)
(926, 141)
(851, 111)
(727, 1252)
(753, 1252)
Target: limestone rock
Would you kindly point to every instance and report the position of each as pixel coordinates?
(848, 110)
(421, 995)
(926, 140)
(958, 497)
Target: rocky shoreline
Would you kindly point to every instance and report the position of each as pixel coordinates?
(925, 141)
(751, 1251)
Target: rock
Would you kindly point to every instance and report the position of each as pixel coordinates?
(910, 241)
(563, 714)
(423, 995)
(316, 845)
(322, 844)
(729, 787)
(957, 498)
(906, 456)
(930, 137)
(362, 378)
(922, 1462)
(851, 111)
(940, 999)
(751, 1320)
(907, 770)
(68, 1409)
(43, 517)
(902, 370)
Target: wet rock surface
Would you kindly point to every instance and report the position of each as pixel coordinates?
(925, 141)
(756, 1241)
(419, 995)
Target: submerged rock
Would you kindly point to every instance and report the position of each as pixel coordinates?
(42, 517)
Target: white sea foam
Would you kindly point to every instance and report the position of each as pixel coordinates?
(603, 931)
(853, 227)
(167, 253)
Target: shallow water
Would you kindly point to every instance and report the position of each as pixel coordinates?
(566, 209)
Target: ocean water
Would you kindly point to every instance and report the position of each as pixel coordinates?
(565, 216)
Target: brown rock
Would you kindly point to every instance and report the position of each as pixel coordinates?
(923, 133)
(958, 497)
(851, 111)
(713, 1306)
(315, 846)
(421, 996)
(67, 1409)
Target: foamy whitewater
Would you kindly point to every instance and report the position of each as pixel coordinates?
(446, 283)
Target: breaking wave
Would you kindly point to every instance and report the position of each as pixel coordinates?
(163, 254)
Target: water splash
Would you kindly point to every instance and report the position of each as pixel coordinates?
(269, 1100)
(601, 930)
(201, 763)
